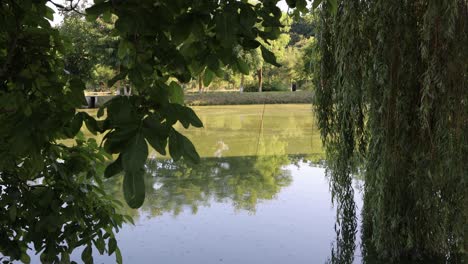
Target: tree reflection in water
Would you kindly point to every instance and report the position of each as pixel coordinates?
(244, 181)
(173, 187)
(343, 249)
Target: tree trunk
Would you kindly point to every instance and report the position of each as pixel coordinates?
(200, 83)
(260, 79)
(241, 89)
(127, 90)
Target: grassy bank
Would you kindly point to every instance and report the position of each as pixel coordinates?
(236, 98)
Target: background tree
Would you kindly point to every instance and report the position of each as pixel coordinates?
(249, 60)
(91, 49)
(302, 27)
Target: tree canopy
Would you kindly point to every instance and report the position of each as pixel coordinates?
(391, 101)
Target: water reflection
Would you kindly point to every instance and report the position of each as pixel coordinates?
(343, 195)
(257, 209)
(246, 166)
(244, 182)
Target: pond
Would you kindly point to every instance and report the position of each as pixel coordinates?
(259, 195)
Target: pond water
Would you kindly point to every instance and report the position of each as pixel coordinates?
(268, 209)
(259, 195)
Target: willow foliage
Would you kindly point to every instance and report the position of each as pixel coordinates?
(392, 103)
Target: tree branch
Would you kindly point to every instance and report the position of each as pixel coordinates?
(71, 8)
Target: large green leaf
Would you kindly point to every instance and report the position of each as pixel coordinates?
(87, 255)
(207, 77)
(135, 154)
(155, 133)
(117, 140)
(97, 9)
(176, 93)
(185, 115)
(74, 126)
(91, 123)
(77, 88)
(134, 187)
(291, 3)
(225, 29)
(180, 146)
(114, 168)
(269, 56)
(112, 245)
(243, 67)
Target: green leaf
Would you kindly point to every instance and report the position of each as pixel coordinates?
(181, 29)
(135, 154)
(65, 257)
(207, 77)
(291, 3)
(12, 212)
(225, 29)
(100, 112)
(301, 5)
(176, 93)
(316, 3)
(49, 13)
(243, 67)
(117, 140)
(180, 146)
(269, 57)
(121, 75)
(114, 168)
(97, 9)
(125, 48)
(86, 255)
(118, 256)
(184, 114)
(77, 88)
(74, 126)
(136, 77)
(191, 117)
(91, 123)
(334, 6)
(250, 43)
(155, 133)
(100, 245)
(134, 188)
(25, 258)
(121, 111)
(112, 245)
(248, 16)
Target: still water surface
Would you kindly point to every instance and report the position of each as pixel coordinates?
(259, 195)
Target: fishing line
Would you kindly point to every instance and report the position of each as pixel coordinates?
(260, 128)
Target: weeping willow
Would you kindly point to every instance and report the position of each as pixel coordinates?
(392, 104)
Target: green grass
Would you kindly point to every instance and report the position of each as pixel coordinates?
(236, 98)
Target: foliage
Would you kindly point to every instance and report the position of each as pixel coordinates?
(101, 75)
(391, 101)
(156, 43)
(183, 185)
(235, 98)
(91, 48)
(302, 28)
